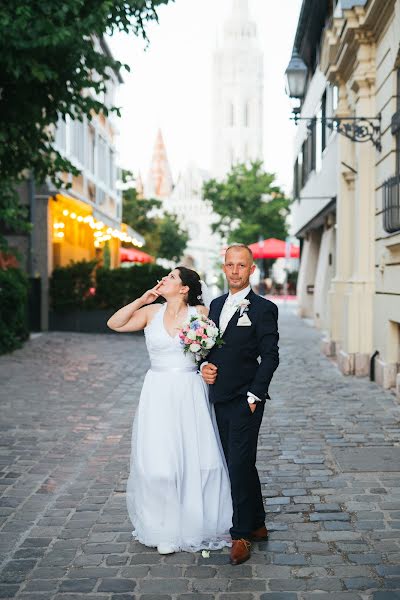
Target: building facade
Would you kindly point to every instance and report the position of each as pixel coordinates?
(196, 215)
(347, 209)
(238, 93)
(83, 221)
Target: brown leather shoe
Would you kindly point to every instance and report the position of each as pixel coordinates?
(259, 535)
(240, 551)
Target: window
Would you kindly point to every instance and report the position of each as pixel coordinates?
(111, 171)
(91, 153)
(296, 179)
(247, 114)
(102, 163)
(231, 120)
(396, 130)
(391, 204)
(320, 133)
(335, 97)
(391, 187)
(61, 134)
(78, 134)
(324, 132)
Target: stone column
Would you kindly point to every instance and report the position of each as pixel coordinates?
(308, 268)
(358, 303)
(333, 343)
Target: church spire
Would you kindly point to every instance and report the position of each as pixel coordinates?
(159, 182)
(239, 28)
(241, 8)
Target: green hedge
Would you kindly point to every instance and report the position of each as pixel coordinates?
(70, 286)
(117, 287)
(13, 309)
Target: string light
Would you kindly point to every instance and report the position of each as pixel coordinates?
(101, 233)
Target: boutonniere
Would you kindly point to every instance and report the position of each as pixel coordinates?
(243, 306)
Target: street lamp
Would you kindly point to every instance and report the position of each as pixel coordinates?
(357, 129)
(296, 76)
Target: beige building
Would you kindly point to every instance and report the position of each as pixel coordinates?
(80, 222)
(350, 270)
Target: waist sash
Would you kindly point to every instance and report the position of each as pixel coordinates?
(173, 369)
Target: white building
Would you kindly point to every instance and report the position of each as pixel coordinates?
(238, 93)
(196, 215)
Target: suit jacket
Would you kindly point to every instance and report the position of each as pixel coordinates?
(239, 370)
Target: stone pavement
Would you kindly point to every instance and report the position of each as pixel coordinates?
(328, 457)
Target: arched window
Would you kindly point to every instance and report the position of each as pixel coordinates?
(231, 117)
(246, 115)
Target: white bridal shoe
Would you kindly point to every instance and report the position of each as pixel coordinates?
(165, 549)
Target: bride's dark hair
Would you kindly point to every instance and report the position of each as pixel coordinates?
(192, 280)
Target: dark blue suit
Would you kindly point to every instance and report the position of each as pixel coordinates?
(246, 363)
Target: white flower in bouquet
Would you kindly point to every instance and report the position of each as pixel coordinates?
(199, 335)
(194, 348)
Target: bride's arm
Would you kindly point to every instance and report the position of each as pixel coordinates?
(136, 315)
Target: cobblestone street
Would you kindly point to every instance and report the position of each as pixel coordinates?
(329, 457)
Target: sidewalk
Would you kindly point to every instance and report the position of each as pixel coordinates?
(329, 458)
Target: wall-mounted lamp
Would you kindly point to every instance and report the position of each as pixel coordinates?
(357, 129)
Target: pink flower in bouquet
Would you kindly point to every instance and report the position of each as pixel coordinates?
(199, 335)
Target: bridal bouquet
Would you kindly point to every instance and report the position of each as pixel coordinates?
(199, 335)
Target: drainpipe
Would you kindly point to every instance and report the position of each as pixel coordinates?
(372, 366)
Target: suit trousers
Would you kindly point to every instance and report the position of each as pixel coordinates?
(238, 428)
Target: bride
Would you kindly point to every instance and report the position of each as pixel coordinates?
(178, 491)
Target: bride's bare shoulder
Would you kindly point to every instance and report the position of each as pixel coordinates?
(152, 310)
(203, 310)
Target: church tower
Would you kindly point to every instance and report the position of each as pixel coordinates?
(238, 93)
(159, 182)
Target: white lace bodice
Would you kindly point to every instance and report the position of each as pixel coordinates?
(166, 351)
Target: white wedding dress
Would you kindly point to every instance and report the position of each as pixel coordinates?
(178, 491)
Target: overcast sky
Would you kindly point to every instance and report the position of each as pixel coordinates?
(170, 84)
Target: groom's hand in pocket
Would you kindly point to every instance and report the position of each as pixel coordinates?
(209, 373)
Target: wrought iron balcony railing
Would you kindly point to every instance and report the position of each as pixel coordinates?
(391, 204)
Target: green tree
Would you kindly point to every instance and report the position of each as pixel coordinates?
(53, 63)
(249, 204)
(164, 236)
(137, 213)
(173, 238)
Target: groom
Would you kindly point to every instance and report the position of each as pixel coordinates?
(239, 373)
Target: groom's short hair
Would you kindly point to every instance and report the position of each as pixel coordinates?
(241, 246)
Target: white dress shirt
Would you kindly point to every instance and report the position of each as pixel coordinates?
(228, 310)
(231, 306)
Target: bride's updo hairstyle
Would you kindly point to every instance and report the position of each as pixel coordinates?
(192, 280)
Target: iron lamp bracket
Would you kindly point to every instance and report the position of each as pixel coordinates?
(357, 129)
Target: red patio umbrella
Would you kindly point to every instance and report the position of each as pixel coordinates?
(273, 248)
(134, 255)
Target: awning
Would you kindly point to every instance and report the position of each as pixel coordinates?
(273, 248)
(135, 255)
